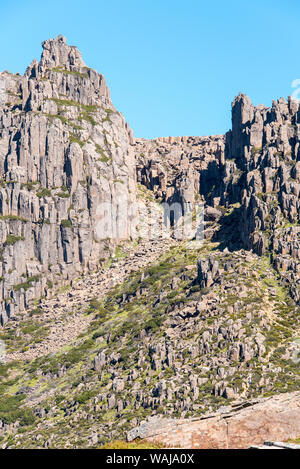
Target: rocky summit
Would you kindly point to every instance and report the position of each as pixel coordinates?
(112, 325)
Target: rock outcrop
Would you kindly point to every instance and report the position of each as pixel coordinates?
(254, 169)
(238, 427)
(64, 150)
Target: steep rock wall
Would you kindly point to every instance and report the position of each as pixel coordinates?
(253, 170)
(64, 150)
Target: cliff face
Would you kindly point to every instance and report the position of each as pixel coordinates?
(265, 143)
(254, 168)
(64, 150)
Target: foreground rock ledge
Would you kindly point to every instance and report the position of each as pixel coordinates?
(239, 426)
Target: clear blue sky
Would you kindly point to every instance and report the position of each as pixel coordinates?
(173, 67)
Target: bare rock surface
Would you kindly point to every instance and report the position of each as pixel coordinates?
(64, 151)
(252, 423)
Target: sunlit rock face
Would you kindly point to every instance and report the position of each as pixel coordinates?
(64, 150)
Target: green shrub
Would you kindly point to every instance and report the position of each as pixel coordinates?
(13, 217)
(29, 185)
(65, 102)
(66, 223)
(12, 239)
(26, 285)
(104, 158)
(95, 304)
(44, 193)
(76, 354)
(28, 327)
(63, 195)
(60, 69)
(74, 139)
(35, 311)
(10, 410)
(85, 396)
(59, 398)
(26, 416)
(153, 324)
(87, 117)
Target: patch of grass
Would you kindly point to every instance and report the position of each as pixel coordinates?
(64, 289)
(12, 239)
(74, 139)
(69, 72)
(65, 102)
(296, 441)
(104, 158)
(26, 285)
(256, 151)
(30, 326)
(13, 217)
(119, 253)
(29, 185)
(89, 107)
(85, 396)
(63, 195)
(44, 192)
(10, 410)
(66, 223)
(87, 117)
(95, 304)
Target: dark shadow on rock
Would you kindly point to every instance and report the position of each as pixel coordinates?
(229, 234)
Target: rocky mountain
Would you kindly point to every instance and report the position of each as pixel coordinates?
(64, 149)
(103, 332)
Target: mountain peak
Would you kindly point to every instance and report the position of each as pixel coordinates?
(56, 52)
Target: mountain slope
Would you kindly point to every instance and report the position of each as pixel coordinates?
(103, 333)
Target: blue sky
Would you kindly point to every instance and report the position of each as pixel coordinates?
(173, 67)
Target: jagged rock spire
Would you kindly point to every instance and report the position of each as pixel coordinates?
(242, 113)
(56, 52)
(242, 109)
(58, 128)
